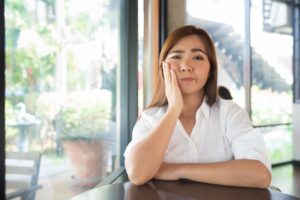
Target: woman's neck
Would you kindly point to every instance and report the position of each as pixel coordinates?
(191, 104)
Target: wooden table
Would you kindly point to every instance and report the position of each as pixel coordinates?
(179, 190)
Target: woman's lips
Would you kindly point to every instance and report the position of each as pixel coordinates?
(187, 79)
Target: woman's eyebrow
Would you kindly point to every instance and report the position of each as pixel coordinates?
(192, 50)
(176, 51)
(197, 49)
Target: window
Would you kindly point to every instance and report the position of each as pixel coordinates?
(272, 76)
(62, 88)
(297, 55)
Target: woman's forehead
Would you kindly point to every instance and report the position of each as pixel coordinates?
(189, 42)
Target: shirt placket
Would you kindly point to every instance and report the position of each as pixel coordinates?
(192, 147)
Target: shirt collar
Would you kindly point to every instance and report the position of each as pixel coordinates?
(205, 109)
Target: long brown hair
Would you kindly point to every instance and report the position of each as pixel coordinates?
(210, 88)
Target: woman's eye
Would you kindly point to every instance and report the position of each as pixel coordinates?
(198, 58)
(175, 57)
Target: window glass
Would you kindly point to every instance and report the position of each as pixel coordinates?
(272, 76)
(279, 142)
(61, 63)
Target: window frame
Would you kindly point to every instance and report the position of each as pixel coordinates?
(2, 101)
(128, 73)
(127, 81)
(296, 54)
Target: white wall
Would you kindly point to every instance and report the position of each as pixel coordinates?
(296, 136)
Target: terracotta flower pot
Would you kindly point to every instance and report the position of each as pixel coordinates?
(88, 160)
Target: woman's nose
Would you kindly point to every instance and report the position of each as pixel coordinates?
(184, 67)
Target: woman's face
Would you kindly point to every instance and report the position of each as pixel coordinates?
(190, 62)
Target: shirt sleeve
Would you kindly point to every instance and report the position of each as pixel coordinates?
(246, 142)
(140, 130)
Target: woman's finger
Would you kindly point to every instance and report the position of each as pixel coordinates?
(174, 78)
(164, 69)
(167, 72)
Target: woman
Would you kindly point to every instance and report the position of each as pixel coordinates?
(187, 132)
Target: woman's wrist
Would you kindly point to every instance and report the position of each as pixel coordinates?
(180, 168)
(173, 111)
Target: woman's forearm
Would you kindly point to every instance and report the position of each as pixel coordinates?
(244, 173)
(143, 161)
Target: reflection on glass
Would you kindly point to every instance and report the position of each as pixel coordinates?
(61, 63)
(156, 190)
(145, 192)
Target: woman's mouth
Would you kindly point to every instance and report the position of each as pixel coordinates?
(187, 79)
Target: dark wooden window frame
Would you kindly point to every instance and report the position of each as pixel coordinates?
(2, 100)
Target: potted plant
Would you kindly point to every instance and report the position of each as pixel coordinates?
(87, 136)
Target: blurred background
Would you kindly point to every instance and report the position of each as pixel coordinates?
(78, 73)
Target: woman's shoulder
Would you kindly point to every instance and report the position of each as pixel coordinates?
(226, 106)
(230, 111)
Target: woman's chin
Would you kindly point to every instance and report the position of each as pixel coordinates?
(189, 92)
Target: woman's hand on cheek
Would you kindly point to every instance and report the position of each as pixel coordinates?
(168, 172)
(172, 89)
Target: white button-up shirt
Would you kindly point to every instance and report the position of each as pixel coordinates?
(222, 132)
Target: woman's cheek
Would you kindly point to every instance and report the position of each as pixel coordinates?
(174, 65)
